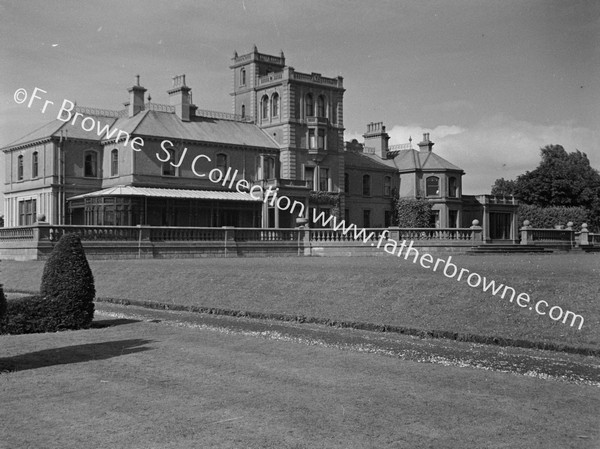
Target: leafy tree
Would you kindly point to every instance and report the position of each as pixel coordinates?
(561, 179)
(504, 187)
(2, 306)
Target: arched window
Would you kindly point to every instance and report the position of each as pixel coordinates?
(310, 106)
(35, 165)
(90, 164)
(243, 77)
(320, 106)
(265, 107)
(366, 185)
(114, 162)
(452, 187)
(243, 111)
(20, 168)
(275, 105)
(222, 162)
(432, 186)
(167, 168)
(387, 186)
(346, 182)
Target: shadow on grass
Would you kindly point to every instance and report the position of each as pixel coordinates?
(72, 354)
(100, 324)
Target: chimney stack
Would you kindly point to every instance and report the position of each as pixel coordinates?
(376, 139)
(136, 98)
(180, 96)
(426, 144)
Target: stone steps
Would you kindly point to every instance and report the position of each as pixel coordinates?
(508, 249)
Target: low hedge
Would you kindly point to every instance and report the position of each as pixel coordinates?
(36, 313)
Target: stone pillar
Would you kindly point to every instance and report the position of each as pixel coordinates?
(476, 232)
(526, 237)
(229, 240)
(584, 235)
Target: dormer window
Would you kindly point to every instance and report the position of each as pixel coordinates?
(222, 162)
(167, 168)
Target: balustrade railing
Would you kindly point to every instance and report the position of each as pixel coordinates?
(551, 235)
(266, 235)
(435, 233)
(176, 234)
(20, 233)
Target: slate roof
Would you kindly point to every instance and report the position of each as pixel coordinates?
(159, 124)
(402, 160)
(168, 193)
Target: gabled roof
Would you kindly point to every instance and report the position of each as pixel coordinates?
(168, 193)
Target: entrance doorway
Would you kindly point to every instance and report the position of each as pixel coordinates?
(500, 226)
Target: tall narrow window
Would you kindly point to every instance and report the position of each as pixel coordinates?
(324, 179)
(310, 106)
(311, 139)
(320, 106)
(275, 105)
(387, 186)
(222, 162)
(35, 165)
(167, 168)
(452, 187)
(366, 218)
(367, 185)
(269, 168)
(90, 169)
(243, 77)
(265, 107)
(346, 183)
(243, 111)
(114, 162)
(309, 176)
(321, 140)
(20, 168)
(432, 186)
(27, 212)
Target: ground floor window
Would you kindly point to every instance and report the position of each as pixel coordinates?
(453, 219)
(366, 218)
(27, 212)
(434, 219)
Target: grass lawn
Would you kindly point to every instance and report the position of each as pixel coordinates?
(152, 386)
(381, 290)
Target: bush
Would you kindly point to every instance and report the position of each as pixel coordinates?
(67, 288)
(412, 213)
(548, 217)
(27, 315)
(2, 306)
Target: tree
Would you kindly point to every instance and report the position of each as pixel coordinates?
(68, 285)
(504, 187)
(2, 306)
(561, 179)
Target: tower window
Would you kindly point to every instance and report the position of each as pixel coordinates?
(320, 106)
(90, 169)
(243, 77)
(310, 106)
(265, 107)
(275, 105)
(432, 186)
(243, 111)
(114, 162)
(34, 165)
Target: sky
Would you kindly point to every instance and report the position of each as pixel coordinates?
(491, 81)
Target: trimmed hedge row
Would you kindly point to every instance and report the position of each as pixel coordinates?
(548, 217)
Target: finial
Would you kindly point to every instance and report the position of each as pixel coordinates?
(149, 98)
(255, 49)
(409, 139)
(137, 80)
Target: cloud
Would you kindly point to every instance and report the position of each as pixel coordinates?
(497, 146)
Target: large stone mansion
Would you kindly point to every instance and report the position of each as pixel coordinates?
(286, 131)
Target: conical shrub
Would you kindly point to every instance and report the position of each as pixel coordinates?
(67, 288)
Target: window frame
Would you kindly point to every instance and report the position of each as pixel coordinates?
(222, 162)
(275, 105)
(320, 109)
(264, 107)
(35, 164)
(20, 167)
(114, 162)
(428, 186)
(309, 105)
(324, 171)
(453, 187)
(366, 185)
(387, 186)
(171, 171)
(93, 169)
